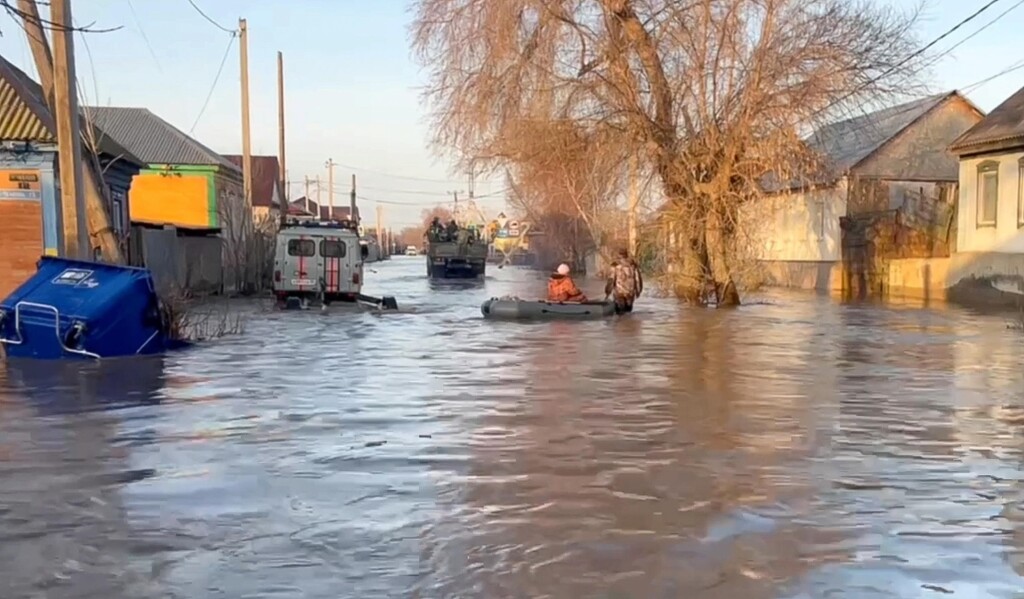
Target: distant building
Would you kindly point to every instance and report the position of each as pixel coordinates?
(30, 208)
(300, 206)
(267, 194)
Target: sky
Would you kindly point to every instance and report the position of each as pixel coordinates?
(353, 88)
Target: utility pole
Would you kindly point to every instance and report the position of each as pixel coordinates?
(380, 217)
(306, 195)
(455, 209)
(352, 201)
(69, 133)
(319, 205)
(634, 199)
(243, 42)
(330, 188)
(280, 132)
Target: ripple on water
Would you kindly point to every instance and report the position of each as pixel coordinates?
(791, 448)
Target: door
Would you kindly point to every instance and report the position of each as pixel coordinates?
(332, 256)
(300, 270)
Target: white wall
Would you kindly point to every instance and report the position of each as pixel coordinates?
(1006, 236)
(798, 226)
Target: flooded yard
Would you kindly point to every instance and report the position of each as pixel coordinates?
(795, 448)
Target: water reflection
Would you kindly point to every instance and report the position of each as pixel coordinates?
(793, 449)
(64, 530)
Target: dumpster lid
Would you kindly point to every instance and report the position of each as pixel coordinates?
(80, 289)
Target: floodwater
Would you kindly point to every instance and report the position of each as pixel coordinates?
(791, 449)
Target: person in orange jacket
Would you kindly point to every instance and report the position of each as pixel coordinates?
(561, 287)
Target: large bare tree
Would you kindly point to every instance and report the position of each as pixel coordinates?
(711, 95)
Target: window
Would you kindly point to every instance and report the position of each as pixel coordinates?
(304, 248)
(118, 213)
(1020, 193)
(332, 248)
(988, 193)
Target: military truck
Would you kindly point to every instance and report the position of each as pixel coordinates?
(459, 256)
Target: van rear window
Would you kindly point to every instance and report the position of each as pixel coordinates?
(331, 248)
(304, 248)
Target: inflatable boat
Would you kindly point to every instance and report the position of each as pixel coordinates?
(518, 309)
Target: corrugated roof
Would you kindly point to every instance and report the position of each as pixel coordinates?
(265, 173)
(1004, 126)
(24, 115)
(153, 139)
(844, 144)
(848, 142)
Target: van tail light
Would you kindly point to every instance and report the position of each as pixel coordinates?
(277, 276)
(355, 278)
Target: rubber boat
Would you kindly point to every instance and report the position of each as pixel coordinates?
(519, 309)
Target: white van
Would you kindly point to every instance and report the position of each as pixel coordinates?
(318, 260)
(410, 250)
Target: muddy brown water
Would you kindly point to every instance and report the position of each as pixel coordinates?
(793, 449)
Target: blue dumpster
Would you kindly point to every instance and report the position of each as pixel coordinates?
(78, 309)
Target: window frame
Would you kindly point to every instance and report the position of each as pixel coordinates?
(989, 168)
(1020, 193)
(298, 241)
(340, 243)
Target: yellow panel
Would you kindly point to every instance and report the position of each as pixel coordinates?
(172, 199)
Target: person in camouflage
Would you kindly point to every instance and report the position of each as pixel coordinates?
(625, 283)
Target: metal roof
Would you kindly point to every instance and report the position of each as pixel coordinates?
(24, 115)
(265, 178)
(153, 139)
(1001, 128)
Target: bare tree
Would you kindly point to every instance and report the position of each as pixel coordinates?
(711, 95)
(248, 244)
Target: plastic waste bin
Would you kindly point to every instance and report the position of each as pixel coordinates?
(78, 309)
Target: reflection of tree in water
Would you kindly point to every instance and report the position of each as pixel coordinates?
(62, 525)
(629, 466)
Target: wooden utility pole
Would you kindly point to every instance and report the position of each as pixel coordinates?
(319, 204)
(307, 193)
(69, 133)
(380, 217)
(352, 202)
(330, 188)
(280, 132)
(98, 217)
(634, 200)
(243, 42)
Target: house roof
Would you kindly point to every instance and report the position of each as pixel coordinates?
(265, 179)
(1001, 128)
(153, 139)
(846, 144)
(323, 212)
(24, 115)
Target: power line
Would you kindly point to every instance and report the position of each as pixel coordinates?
(207, 17)
(977, 84)
(393, 176)
(213, 87)
(912, 55)
(980, 29)
(145, 38)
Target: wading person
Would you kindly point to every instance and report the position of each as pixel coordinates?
(624, 282)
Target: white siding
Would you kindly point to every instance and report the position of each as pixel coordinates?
(797, 226)
(1006, 237)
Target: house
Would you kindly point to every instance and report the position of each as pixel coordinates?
(885, 189)
(267, 193)
(990, 214)
(185, 184)
(179, 202)
(338, 212)
(31, 219)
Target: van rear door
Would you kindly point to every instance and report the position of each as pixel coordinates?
(332, 253)
(300, 266)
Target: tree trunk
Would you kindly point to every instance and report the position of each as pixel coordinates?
(719, 234)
